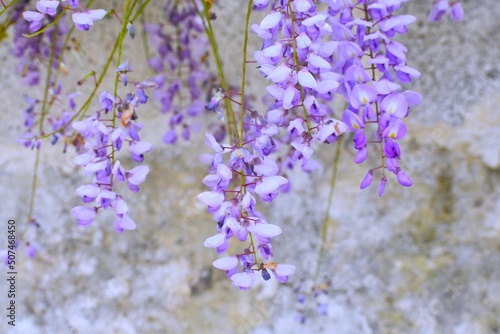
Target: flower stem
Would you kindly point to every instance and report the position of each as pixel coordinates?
(326, 218)
(244, 66)
(296, 61)
(207, 24)
(377, 112)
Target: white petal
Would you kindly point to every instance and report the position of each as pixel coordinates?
(280, 74)
(306, 79)
(327, 86)
(318, 62)
(271, 20)
(273, 50)
(267, 230)
(97, 14)
(32, 16)
(90, 190)
(96, 166)
(224, 172)
(301, 5)
(328, 48)
(211, 198)
(82, 18)
(303, 41)
(318, 20)
(267, 167)
(140, 147)
(120, 206)
(242, 280)
(276, 91)
(270, 184)
(83, 159)
(215, 241)
(137, 175)
(288, 97)
(127, 223)
(226, 263)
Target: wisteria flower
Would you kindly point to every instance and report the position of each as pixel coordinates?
(85, 20)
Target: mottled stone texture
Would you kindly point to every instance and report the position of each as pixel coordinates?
(419, 260)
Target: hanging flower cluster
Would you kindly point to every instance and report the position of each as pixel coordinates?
(103, 135)
(181, 61)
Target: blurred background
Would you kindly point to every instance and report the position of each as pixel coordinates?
(424, 259)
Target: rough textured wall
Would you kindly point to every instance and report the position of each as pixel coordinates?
(420, 260)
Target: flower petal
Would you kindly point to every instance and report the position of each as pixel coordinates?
(226, 263)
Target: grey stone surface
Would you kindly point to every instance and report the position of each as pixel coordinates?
(424, 259)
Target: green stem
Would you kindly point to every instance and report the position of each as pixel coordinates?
(34, 182)
(296, 61)
(45, 105)
(326, 218)
(244, 66)
(231, 119)
(242, 108)
(377, 111)
(126, 16)
(45, 109)
(7, 19)
(145, 41)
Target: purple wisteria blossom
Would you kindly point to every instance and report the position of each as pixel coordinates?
(181, 61)
(312, 57)
(441, 7)
(97, 157)
(235, 214)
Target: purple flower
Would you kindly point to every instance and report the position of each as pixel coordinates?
(226, 263)
(270, 184)
(85, 20)
(136, 176)
(72, 3)
(362, 95)
(212, 143)
(123, 69)
(214, 102)
(282, 272)
(218, 241)
(367, 180)
(211, 198)
(170, 137)
(138, 149)
(243, 280)
(395, 130)
(260, 4)
(396, 105)
(88, 192)
(31, 249)
(35, 19)
(120, 206)
(84, 215)
(107, 101)
(391, 149)
(381, 186)
(47, 7)
(457, 12)
(118, 171)
(124, 223)
(438, 10)
(403, 179)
